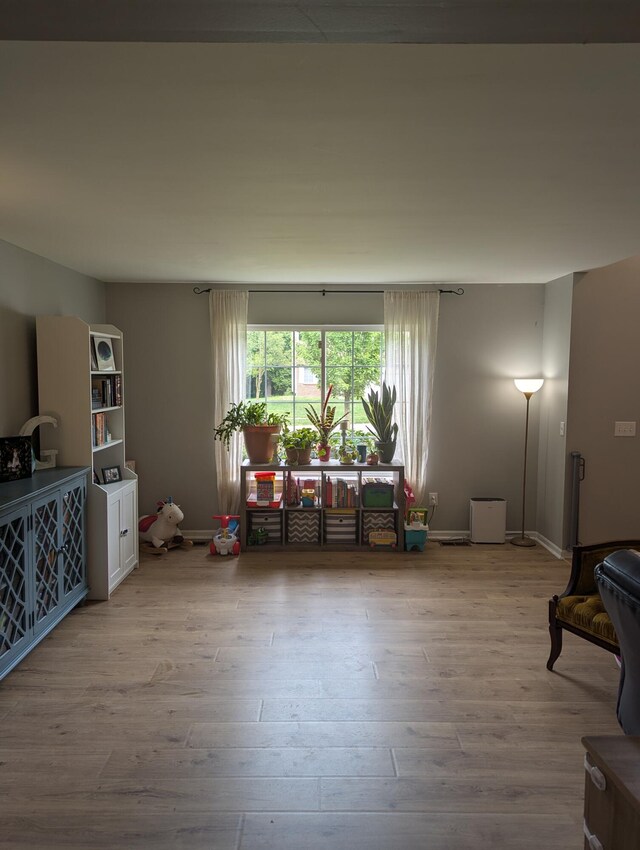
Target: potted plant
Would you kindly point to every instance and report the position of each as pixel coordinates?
(258, 428)
(325, 423)
(347, 452)
(364, 444)
(379, 411)
(298, 444)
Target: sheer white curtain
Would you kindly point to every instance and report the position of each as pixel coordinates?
(410, 334)
(228, 318)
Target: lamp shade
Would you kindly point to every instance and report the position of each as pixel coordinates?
(528, 385)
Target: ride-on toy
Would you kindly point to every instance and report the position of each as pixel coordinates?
(225, 540)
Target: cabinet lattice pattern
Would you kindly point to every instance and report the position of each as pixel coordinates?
(45, 533)
(13, 565)
(42, 557)
(73, 539)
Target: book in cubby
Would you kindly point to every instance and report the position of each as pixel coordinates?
(341, 492)
(106, 391)
(100, 433)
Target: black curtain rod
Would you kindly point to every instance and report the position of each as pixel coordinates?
(458, 291)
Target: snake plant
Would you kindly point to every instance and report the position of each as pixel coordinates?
(379, 411)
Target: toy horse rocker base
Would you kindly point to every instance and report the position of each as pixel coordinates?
(159, 532)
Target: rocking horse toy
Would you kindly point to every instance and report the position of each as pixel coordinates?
(159, 532)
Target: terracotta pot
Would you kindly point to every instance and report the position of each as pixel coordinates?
(259, 442)
(292, 455)
(324, 452)
(298, 456)
(372, 459)
(304, 455)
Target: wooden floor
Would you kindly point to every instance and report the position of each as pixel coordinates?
(307, 701)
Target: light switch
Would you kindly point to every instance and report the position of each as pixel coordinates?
(624, 429)
(562, 429)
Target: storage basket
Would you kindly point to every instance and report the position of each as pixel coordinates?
(271, 522)
(377, 495)
(303, 527)
(374, 521)
(339, 528)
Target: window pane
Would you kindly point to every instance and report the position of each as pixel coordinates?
(307, 384)
(366, 347)
(338, 344)
(280, 407)
(255, 348)
(308, 350)
(360, 420)
(279, 348)
(364, 379)
(279, 383)
(342, 394)
(255, 383)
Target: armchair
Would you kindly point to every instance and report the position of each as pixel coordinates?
(579, 609)
(618, 579)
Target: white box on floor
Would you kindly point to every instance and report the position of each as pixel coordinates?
(488, 520)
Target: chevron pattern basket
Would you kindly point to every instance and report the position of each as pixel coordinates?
(303, 527)
(376, 520)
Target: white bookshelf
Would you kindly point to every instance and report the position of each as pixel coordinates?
(65, 382)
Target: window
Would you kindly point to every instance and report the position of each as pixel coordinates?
(290, 368)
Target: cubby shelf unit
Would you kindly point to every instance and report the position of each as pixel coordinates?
(337, 526)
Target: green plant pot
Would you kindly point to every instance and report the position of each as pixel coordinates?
(386, 451)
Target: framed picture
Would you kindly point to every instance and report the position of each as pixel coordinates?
(96, 480)
(94, 359)
(16, 458)
(111, 474)
(103, 349)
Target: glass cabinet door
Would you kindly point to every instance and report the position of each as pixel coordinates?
(73, 539)
(14, 602)
(46, 550)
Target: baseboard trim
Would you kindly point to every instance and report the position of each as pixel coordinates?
(548, 545)
(205, 534)
(197, 533)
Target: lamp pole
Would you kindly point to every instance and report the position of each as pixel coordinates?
(527, 387)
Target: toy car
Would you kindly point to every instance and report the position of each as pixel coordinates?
(384, 537)
(258, 537)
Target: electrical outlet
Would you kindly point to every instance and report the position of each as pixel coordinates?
(433, 499)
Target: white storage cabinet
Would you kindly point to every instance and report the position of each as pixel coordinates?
(91, 432)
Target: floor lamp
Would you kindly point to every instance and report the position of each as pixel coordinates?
(527, 386)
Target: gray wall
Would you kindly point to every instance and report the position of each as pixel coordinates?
(603, 388)
(487, 337)
(552, 461)
(169, 408)
(31, 285)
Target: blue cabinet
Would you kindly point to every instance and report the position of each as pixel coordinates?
(42, 557)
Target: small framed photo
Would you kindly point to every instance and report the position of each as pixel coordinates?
(96, 480)
(16, 458)
(111, 474)
(103, 350)
(94, 359)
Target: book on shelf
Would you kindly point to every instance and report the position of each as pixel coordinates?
(100, 433)
(106, 391)
(340, 493)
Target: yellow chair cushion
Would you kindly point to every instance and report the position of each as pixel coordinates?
(587, 613)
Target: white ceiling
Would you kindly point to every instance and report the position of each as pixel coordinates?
(321, 163)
